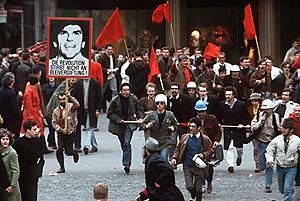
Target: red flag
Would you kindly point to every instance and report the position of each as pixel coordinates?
(296, 64)
(160, 12)
(112, 30)
(211, 50)
(249, 27)
(154, 70)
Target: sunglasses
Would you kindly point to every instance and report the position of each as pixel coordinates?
(160, 103)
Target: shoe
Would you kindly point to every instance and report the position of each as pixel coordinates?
(268, 190)
(193, 195)
(85, 150)
(209, 187)
(93, 150)
(78, 150)
(238, 161)
(47, 151)
(203, 189)
(230, 169)
(61, 170)
(96, 129)
(75, 157)
(127, 169)
(257, 170)
(54, 147)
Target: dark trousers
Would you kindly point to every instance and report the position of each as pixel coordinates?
(51, 135)
(209, 172)
(77, 138)
(193, 177)
(65, 143)
(238, 137)
(28, 188)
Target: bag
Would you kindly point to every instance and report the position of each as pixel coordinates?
(254, 134)
(218, 155)
(5, 183)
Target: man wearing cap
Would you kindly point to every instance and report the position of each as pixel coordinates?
(285, 148)
(192, 144)
(268, 123)
(211, 128)
(253, 110)
(10, 106)
(161, 123)
(214, 81)
(191, 88)
(159, 176)
(237, 80)
(182, 73)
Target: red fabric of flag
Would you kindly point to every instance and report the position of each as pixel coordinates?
(112, 31)
(211, 50)
(154, 70)
(248, 22)
(296, 64)
(160, 12)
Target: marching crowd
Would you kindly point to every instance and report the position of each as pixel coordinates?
(184, 111)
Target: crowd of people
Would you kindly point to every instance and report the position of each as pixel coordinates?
(184, 112)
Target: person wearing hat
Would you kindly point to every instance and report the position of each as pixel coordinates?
(10, 108)
(210, 128)
(237, 80)
(183, 73)
(159, 176)
(268, 122)
(214, 81)
(285, 148)
(191, 90)
(191, 144)
(161, 123)
(254, 109)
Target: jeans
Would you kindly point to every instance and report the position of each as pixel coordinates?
(164, 152)
(125, 140)
(269, 175)
(286, 177)
(89, 139)
(261, 150)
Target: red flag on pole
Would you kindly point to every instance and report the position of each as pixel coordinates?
(112, 30)
(160, 12)
(154, 70)
(296, 64)
(211, 50)
(249, 27)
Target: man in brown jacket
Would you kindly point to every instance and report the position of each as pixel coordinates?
(211, 129)
(193, 145)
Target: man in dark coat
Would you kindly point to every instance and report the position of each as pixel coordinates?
(160, 178)
(124, 107)
(88, 93)
(30, 151)
(138, 72)
(22, 72)
(233, 112)
(10, 106)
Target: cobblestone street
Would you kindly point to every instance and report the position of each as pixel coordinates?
(105, 166)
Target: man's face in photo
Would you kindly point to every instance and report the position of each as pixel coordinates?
(70, 41)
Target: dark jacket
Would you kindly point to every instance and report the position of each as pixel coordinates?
(105, 62)
(181, 107)
(258, 88)
(240, 85)
(138, 77)
(94, 101)
(10, 110)
(135, 111)
(158, 170)
(48, 91)
(22, 74)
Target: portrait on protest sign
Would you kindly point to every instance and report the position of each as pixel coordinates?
(69, 45)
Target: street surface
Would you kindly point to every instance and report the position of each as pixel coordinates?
(105, 166)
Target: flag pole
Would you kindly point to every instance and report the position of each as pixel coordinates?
(258, 49)
(126, 48)
(173, 36)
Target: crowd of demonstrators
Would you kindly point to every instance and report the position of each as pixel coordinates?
(216, 91)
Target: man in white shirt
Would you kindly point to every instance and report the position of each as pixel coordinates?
(275, 71)
(222, 64)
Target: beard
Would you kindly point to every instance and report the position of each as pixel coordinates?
(63, 104)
